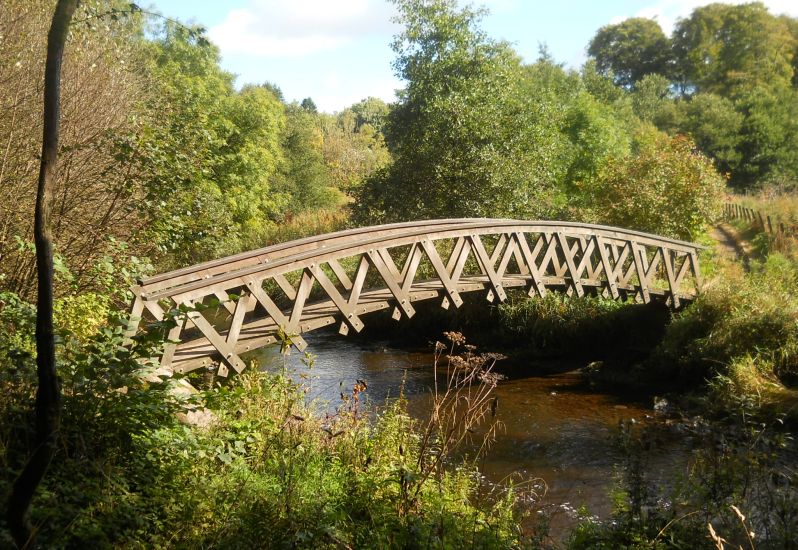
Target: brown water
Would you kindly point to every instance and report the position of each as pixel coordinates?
(556, 427)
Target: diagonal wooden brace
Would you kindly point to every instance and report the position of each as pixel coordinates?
(275, 313)
(449, 286)
(390, 277)
(487, 269)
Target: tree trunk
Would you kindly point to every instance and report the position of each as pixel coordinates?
(48, 396)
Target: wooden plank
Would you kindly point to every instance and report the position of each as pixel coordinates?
(569, 253)
(449, 286)
(390, 278)
(510, 252)
(674, 287)
(498, 249)
(529, 256)
(641, 272)
(274, 312)
(134, 319)
(456, 250)
(225, 301)
(287, 288)
(340, 272)
(347, 310)
(609, 269)
(225, 350)
(242, 306)
(487, 268)
(587, 247)
(302, 294)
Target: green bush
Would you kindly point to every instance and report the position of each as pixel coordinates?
(738, 315)
(666, 187)
(591, 326)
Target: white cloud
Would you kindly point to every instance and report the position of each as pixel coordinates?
(335, 95)
(667, 12)
(295, 28)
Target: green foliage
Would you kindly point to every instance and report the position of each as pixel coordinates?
(739, 317)
(667, 188)
(305, 178)
(720, 47)
(372, 111)
(652, 101)
(475, 133)
(769, 141)
(465, 138)
(549, 324)
(738, 109)
(716, 127)
(631, 50)
(241, 465)
(206, 153)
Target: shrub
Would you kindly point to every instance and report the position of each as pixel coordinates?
(738, 315)
(666, 187)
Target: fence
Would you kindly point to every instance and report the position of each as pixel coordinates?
(762, 220)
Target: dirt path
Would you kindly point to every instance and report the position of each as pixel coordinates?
(730, 244)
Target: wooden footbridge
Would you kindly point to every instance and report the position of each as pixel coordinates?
(243, 302)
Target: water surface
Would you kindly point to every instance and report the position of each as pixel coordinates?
(555, 426)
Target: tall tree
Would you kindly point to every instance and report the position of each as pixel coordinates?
(723, 49)
(464, 136)
(48, 395)
(631, 50)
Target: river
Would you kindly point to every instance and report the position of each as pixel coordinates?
(556, 427)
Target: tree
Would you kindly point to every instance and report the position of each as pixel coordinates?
(205, 154)
(465, 139)
(309, 105)
(652, 101)
(722, 48)
(48, 394)
(372, 111)
(304, 177)
(715, 125)
(768, 136)
(665, 187)
(631, 50)
(353, 149)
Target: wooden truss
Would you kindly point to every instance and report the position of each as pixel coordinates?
(243, 302)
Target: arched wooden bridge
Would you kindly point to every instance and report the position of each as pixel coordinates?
(246, 301)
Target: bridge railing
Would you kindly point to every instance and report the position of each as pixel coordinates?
(297, 287)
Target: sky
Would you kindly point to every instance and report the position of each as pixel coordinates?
(337, 52)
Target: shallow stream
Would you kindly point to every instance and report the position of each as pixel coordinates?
(556, 426)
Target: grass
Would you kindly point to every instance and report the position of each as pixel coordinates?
(780, 204)
(305, 224)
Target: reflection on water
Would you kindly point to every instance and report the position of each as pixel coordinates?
(555, 427)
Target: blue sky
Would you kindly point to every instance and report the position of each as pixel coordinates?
(338, 51)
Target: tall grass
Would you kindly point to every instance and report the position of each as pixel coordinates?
(305, 224)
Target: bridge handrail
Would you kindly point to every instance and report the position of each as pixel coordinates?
(212, 268)
(276, 251)
(412, 231)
